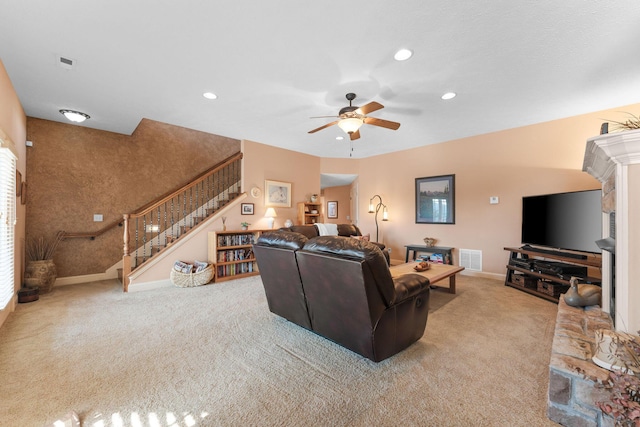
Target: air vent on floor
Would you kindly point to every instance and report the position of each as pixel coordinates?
(471, 259)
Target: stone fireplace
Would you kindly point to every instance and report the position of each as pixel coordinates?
(614, 159)
(573, 392)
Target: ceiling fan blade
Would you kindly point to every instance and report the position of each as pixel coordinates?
(372, 106)
(382, 123)
(323, 127)
(355, 135)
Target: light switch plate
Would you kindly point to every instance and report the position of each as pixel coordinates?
(494, 200)
(97, 218)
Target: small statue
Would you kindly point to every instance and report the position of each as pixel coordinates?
(581, 295)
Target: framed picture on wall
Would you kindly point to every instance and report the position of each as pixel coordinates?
(277, 194)
(246, 208)
(435, 200)
(332, 210)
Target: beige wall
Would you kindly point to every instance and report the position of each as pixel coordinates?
(13, 125)
(537, 159)
(341, 195)
(76, 172)
(263, 162)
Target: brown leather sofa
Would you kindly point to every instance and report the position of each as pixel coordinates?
(341, 288)
(310, 231)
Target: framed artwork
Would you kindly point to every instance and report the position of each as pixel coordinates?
(332, 210)
(435, 200)
(277, 194)
(246, 208)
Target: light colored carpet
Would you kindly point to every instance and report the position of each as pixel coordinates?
(215, 356)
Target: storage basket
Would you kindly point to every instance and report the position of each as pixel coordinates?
(189, 280)
(551, 288)
(524, 281)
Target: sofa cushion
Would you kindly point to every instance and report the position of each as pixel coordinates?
(346, 247)
(283, 239)
(348, 230)
(309, 231)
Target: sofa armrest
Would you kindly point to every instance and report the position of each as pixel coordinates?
(409, 285)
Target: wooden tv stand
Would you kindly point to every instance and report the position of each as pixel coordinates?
(545, 285)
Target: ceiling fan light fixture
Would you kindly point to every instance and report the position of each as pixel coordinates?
(350, 124)
(403, 55)
(75, 116)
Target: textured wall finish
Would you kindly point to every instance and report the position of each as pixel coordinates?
(75, 172)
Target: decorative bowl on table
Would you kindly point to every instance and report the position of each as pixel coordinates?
(423, 266)
(429, 241)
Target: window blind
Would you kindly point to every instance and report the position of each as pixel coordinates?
(7, 224)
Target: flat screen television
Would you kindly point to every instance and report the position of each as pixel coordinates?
(571, 221)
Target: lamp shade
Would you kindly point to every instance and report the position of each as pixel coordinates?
(350, 124)
(270, 214)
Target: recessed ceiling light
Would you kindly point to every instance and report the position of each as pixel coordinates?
(403, 55)
(449, 95)
(210, 95)
(339, 138)
(75, 116)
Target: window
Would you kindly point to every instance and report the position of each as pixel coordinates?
(7, 224)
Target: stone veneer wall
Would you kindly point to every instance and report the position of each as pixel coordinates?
(572, 395)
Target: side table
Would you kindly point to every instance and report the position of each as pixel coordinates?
(444, 250)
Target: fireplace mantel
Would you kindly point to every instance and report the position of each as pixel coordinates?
(618, 155)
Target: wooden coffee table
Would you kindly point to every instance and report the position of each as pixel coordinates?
(436, 273)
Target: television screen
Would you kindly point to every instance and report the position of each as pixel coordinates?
(571, 221)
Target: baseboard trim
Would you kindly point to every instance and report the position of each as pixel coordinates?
(74, 280)
(149, 286)
(497, 276)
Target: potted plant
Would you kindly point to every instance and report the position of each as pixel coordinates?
(41, 271)
(624, 379)
(244, 225)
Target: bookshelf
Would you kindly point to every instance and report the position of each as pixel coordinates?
(306, 213)
(231, 252)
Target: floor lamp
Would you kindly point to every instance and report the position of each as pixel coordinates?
(375, 209)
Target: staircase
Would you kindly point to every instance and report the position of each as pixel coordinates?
(154, 228)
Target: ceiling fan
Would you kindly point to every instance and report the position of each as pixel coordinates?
(352, 117)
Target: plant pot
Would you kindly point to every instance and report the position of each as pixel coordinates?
(40, 274)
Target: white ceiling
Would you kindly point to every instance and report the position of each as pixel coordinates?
(274, 64)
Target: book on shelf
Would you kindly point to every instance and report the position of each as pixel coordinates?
(437, 258)
(236, 239)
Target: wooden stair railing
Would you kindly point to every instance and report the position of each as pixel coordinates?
(163, 221)
(91, 234)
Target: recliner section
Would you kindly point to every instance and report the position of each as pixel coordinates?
(342, 289)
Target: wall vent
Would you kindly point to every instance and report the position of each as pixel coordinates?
(66, 63)
(471, 259)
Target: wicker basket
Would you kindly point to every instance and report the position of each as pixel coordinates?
(189, 280)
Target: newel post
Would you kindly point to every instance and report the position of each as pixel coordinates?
(126, 258)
